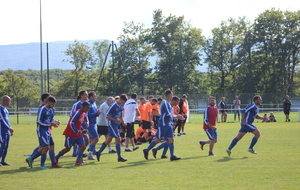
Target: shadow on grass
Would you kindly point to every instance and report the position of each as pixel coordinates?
(227, 159)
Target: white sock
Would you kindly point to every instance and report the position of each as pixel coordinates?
(109, 148)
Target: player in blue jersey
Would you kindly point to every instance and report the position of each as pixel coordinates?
(82, 97)
(93, 113)
(114, 116)
(45, 119)
(5, 129)
(248, 115)
(165, 129)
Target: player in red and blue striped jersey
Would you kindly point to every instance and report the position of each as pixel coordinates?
(209, 125)
(248, 115)
(74, 133)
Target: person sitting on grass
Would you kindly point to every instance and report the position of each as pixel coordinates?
(272, 117)
(265, 118)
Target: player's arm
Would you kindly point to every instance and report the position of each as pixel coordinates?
(4, 123)
(72, 122)
(41, 119)
(260, 117)
(113, 119)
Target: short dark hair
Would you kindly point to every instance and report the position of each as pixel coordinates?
(256, 97)
(85, 104)
(159, 99)
(142, 98)
(82, 92)
(133, 96)
(78, 98)
(150, 97)
(51, 99)
(45, 96)
(91, 94)
(123, 97)
(212, 97)
(168, 92)
(154, 100)
(184, 96)
(175, 98)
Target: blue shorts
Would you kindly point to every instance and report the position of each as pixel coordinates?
(69, 142)
(93, 132)
(44, 137)
(113, 131)
(247, 128)
(164, 132)
(211, 133)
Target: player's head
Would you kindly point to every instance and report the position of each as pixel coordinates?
(83, 95)
(123, 99)
(85, 107)
(271, 113)
(287, 97)
(154, 101)
(142, 100)
(159, 100)
(117, 98)
(44, 97)
(51, 101)
(257, 100)
(150, 98)
(92, 96)
(169, 95)
(174, 101)
(133, 96)
(212, 101)
(5, 100)
(110, 100)
(184, 97)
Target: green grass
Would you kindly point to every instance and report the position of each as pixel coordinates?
(276, 166)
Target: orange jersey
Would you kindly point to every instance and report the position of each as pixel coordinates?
(184, 109)
(138, 132)
(155, 109)
(144, 111)
(176, 109)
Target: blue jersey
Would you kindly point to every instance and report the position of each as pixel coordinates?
(93, 113)
(250, 113)
(44, 118)
(167, 112)
(114, 111)
(4, 121)
(75, 107)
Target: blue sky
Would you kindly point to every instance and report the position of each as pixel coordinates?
(99, 19)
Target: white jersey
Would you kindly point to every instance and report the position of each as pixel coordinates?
(102, 120)
(130, 110)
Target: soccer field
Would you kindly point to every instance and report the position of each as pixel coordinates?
(276, 166)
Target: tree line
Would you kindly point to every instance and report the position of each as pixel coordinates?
(242, 57)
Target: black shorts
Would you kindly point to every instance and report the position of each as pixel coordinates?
(179, 122)
(51, 141)
(130, 130)
(122, 127)
(102, 130)
(155, 121)
(146, 124)
(286, 112)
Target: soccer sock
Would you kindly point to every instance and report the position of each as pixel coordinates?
(75, 149)
(35, 155)
(151, 145)
(233, 143)
(109, 148)
(92, 148)
(161, 146)
(118, 147)
(4, 153)
(35, 150)
(253, 142)
(58, 155)
(43, 159)
(79, 156)
(102, 148)
(52, 156)
(165, 150)
(171, 147)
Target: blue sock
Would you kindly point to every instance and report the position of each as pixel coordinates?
(151, 145)
(58, 155)
(79, 156)
(35, 150)
(165, 150)
(253, 142)
(171, 147)
(43, 159)
(233, 143)
(161, 146)
(92, 148)
(118, 147)
(102, 147)
(52, 156)
(209, 152)
(35, 155)
(75, 149)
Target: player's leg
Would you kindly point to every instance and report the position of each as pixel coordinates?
(81, 143)
(94, 136)
(128, 137)
(4, 149)
(69, 142)
(254, 140)
(239, 117)
(235, 113)
(183, 125)
(52, 154)
(239, 136)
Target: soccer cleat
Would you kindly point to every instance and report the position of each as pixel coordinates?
(173, 158)
(5, 164)
(29, 161)
(228, 152)
(111, 151)
(91, 158)
(122, 160)
(154, 152)
(135, 148)
(145, 154)
(179, 134)
(183, 133)
(44, 168)
(201, 145)
(79, 164)
(84, 155)
(128, 150)
(252, 151)
(0, 165)
(55, 166)
(164, 157)
(98, 156)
